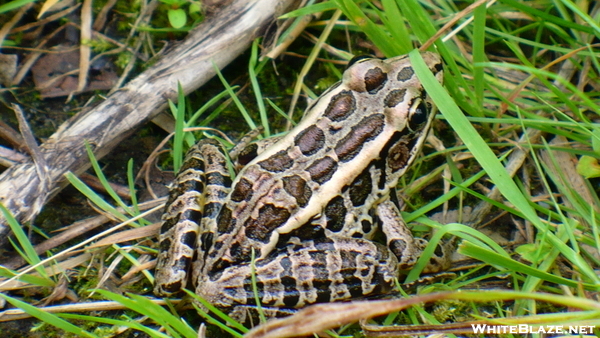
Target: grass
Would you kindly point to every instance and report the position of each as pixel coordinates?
(518, 75)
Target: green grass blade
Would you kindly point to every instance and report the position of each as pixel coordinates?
(9, 6)
(235, 99)
(495, 259)
(142, 305)
(179, 113)
(48, 318)
(30, 279)
(312, 9)
(191, 122)
(419, 20)
(443, 198)
(111, 192)
(259, 307)
(379, 37)
(547, 17)
(455, 229)
(252, 71)
(479, 53)
(95, 198)
(229, 324)
(118, 322)
(28, 252)
(487, 159)
(394, 21)
(131, 185)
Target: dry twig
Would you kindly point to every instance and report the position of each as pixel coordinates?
(215, 43)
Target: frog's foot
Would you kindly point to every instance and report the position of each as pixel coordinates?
(441, 259)
(250, 315)
(407, 248)
(315, 271)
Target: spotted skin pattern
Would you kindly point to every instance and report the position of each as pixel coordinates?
(309, 204)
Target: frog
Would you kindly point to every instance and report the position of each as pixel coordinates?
(313, 215)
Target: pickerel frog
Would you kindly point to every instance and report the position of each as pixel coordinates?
(309, 205)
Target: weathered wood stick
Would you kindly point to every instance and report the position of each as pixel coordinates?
(218, 40)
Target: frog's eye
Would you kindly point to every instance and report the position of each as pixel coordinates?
(419, 113)
(358, 59)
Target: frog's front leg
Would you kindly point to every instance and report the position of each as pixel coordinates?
(314, 271)
(401, 242)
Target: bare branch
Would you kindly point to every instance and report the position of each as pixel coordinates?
(218, 41)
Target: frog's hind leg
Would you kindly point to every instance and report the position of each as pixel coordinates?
(191, 201)
(312, 271)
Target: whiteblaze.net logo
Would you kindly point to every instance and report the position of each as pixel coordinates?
(527, 329)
